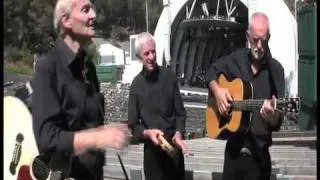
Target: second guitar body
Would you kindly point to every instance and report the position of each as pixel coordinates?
(239, 118)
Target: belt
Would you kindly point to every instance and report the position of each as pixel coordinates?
(245, 152)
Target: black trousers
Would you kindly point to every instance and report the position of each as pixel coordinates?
(245, 167)
(88, 166)
(158, 165)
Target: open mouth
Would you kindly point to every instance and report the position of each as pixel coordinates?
(150, 63)
(90, 25)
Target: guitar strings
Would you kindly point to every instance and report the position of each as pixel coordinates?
(41, 164)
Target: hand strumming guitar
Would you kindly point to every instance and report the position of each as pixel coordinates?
(222, 97)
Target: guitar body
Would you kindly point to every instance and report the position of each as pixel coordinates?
(21, 156)
(219, 127)
(18, 138)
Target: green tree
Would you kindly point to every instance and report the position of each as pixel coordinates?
(28, 24)
(41, 36)
(118, 19)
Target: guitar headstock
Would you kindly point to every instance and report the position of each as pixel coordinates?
(288, 105)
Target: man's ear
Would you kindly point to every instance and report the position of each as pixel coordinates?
(66, 22)
(268, 36)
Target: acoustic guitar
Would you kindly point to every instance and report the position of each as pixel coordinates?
(18, 138)
(238, 119)
(21, 156)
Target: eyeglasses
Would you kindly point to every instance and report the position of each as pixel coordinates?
(256, 40)
(263, 40)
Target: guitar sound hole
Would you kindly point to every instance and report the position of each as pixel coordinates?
(224, 120)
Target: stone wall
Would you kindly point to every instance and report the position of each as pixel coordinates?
(116, 103)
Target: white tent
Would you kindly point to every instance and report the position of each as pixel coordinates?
(111, 55)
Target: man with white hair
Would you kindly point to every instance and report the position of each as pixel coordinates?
(247, 155)
(68, 109)
(156, 109)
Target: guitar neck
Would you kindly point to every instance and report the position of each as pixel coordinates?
(247, 105)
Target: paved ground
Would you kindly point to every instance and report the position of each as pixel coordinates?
(13, 77)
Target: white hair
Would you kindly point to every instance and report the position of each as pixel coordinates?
(141, 39)
(62, 8)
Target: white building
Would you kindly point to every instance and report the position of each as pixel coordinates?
(111, 55)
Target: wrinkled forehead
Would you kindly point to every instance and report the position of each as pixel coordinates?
(148, 44)
(147, 39)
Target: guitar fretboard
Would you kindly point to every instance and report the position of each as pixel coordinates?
(247, 105)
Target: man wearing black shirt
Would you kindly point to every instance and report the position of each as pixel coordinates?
(155, 109)
(67, 109)
(247, 157)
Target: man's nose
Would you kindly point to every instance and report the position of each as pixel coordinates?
(93, 14)
(151, 55)
(259, 43)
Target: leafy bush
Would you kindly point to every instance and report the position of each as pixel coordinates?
(19, 68)
(15, 55)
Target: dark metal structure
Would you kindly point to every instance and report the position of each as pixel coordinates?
(202, 32)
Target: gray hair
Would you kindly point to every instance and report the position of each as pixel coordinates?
(141, 39)
(62, 8)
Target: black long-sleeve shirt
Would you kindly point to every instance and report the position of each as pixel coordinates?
(267, 82)
(66, 98)
(155, 102)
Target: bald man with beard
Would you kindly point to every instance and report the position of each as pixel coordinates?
(247, 156)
